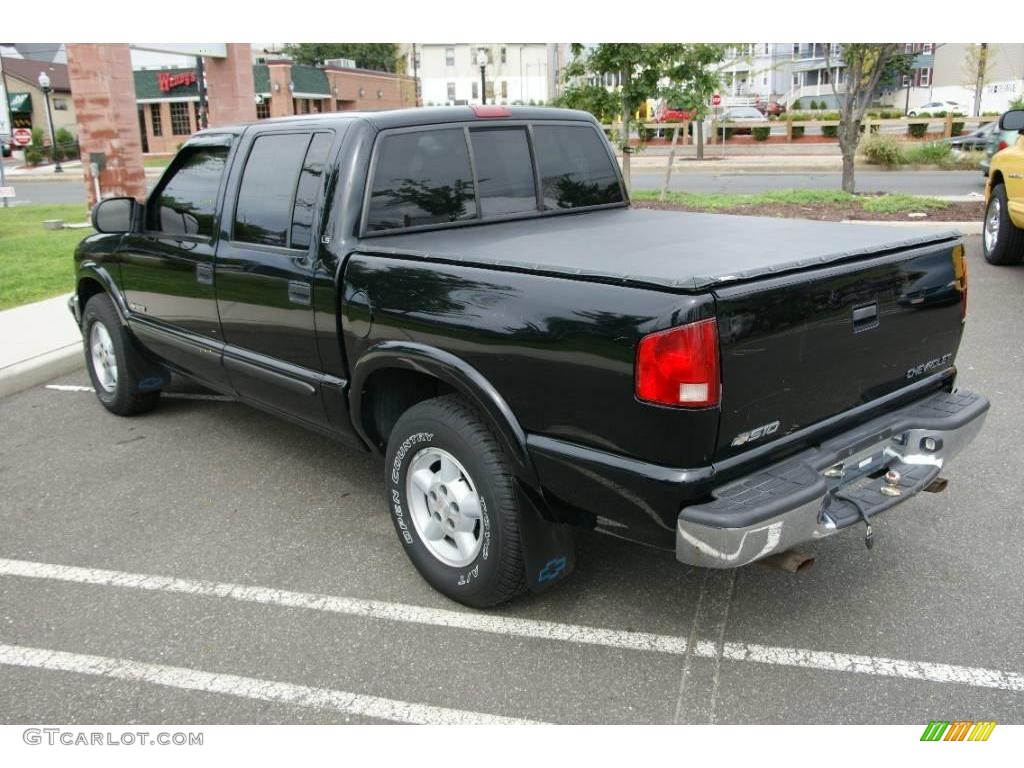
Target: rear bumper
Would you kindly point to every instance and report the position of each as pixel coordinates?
(793, 502)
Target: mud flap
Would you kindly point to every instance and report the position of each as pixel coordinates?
(549, 549)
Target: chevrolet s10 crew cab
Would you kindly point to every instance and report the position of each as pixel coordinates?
(468, 293)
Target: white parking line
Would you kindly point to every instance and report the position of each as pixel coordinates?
(372, 609)
(932, 672)
(247, 687)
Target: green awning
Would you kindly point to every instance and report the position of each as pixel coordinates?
(20, 102)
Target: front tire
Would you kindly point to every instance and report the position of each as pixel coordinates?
(453, 503)
(1002, 242)
(116, 365)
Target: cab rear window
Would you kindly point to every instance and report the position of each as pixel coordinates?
(422, 177)
(439, 176)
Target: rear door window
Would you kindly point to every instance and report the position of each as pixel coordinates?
(263, 213)
(504, 171)
(421, 178)
(187, 202)
(575, 167)
(309, 189)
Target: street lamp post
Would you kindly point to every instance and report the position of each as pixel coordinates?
(481, 60)
(44, 84)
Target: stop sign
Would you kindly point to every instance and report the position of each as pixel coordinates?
(22, 137)
(716, 99)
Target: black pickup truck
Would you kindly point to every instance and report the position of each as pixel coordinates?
(468, 293)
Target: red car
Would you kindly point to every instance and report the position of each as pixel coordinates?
(666, 114)
(771, 108)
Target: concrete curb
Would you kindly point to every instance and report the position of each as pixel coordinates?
(40, 369)
(965, 228)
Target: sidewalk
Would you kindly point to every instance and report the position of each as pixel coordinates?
(14, 172)
(40, 342)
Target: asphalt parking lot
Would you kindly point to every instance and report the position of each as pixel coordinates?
(125, 545)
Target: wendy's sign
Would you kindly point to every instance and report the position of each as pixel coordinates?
(167, 80)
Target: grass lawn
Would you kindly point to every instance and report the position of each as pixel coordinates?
(824, 204)
(156, 162)
(36, 263)
(723, 201)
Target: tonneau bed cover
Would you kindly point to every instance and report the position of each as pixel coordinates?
(661, 249)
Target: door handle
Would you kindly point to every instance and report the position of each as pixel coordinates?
(299, 292)
(204, 273)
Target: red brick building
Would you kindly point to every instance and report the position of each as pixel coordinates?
(168, 99)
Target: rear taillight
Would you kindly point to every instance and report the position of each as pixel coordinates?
(679, 366)
(1002, 145)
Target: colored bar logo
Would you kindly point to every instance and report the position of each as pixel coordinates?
(958, 730)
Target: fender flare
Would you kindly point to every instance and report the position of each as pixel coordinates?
(457, 373)
(92, 271)
(548, 546)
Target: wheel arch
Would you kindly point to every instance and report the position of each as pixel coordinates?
(94, 279)
(548, 542)
(412, 372)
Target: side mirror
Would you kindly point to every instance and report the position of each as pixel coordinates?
(115, 215)
(1012, 121)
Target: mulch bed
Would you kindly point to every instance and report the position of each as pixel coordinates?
(830, 211)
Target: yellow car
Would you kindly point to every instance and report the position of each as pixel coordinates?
(1003, 231)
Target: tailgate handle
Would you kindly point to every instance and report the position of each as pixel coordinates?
(865, 317)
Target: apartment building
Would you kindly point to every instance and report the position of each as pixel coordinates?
(514, 73)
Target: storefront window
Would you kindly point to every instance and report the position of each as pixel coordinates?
(155, 119)
(180, 123)
(263, 109)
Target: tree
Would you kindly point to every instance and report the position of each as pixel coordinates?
(382, 57)
(867, 67)
(639, 68)
(645, 71)
(978, 60)
(694, 77)
(595, 99)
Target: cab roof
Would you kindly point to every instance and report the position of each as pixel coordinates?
(410, 117)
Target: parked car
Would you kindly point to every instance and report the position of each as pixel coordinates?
(1003, 234)
(5, 146)
(664, 113)
(466, 293)
(976, 140)
(743, 118)
(998, 140)
(773, 108)
(932, 107)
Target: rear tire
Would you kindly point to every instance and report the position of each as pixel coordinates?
(1002, 242)
(115, 362)
(453, 503)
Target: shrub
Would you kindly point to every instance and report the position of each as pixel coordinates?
(932, 153)
(66, 147)
(882, 150)
(830, 131)
(796, 105)
(917, 130)
(33, 154)
(798, 131)
(814, 104)
(761, 132)
(958, 128)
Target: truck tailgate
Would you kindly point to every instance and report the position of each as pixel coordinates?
(799, 348)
